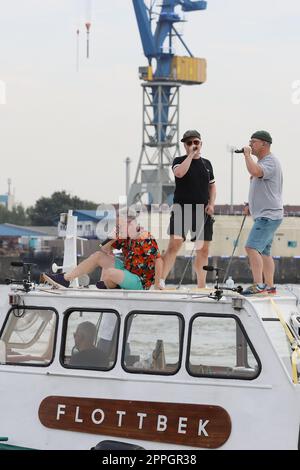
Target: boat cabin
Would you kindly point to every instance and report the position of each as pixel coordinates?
(83, 368)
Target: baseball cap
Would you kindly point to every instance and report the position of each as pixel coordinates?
(191, 133)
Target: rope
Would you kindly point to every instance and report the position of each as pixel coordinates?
(292, 340)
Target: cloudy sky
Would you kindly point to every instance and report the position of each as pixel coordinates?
(63, 129)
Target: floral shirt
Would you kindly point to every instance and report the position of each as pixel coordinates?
(139, 256)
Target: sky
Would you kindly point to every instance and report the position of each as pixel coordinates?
(63, 129)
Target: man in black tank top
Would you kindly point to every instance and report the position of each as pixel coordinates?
(194, 200)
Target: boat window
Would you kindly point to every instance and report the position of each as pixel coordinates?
(91, 338)
(28, 337)
(218, 347)
(153, 343)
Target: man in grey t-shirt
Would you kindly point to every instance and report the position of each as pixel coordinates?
(266, 208)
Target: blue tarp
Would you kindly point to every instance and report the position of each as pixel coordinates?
(90, 215)
(8, 231)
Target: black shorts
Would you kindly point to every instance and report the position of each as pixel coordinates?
(199, 225)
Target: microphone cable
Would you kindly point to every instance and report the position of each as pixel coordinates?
(234, 248)
(192, 253)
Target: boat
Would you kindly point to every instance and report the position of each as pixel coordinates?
(171, 370)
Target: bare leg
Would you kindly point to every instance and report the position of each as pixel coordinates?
(170, 256)
(112, 277)
(200, 261)
(92, 262)
(268, 270)
(256, 265)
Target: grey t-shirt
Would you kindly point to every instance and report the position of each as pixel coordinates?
(265, 193)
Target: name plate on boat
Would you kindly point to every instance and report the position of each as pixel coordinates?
(191, 425)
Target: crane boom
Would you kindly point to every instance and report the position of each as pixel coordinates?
(144, 25)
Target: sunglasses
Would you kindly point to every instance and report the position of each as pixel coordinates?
(191, 142)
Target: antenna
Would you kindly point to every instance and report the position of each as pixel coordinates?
(128, 162)
(9, 186)
(88, 27)
(77, 50)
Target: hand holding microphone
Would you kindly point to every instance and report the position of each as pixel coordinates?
(107, 240)
(245, 150)
(195, 150)
(111, 237)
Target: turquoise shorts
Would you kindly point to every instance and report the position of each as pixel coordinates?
(131, 281)
(261, 235)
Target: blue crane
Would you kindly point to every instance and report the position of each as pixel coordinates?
(162, 78)
(153, 43)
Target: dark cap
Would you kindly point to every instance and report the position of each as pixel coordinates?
(189, 134)
(262, 135)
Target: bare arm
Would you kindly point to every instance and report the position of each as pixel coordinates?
(112, 237)
(107, 248)
(182, 169)
(253, 168)
(158, 271)
(210, 208)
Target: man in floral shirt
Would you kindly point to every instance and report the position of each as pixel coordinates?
(140, 256)
(141, 267)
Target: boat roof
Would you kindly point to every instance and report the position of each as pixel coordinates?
(284, 297)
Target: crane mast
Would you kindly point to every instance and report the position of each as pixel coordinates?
(162, 79)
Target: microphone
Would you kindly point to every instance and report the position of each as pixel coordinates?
(212, 268)
(208, 268)
(239, 150)
(21, 264)
(17, 264)
(107, 240)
